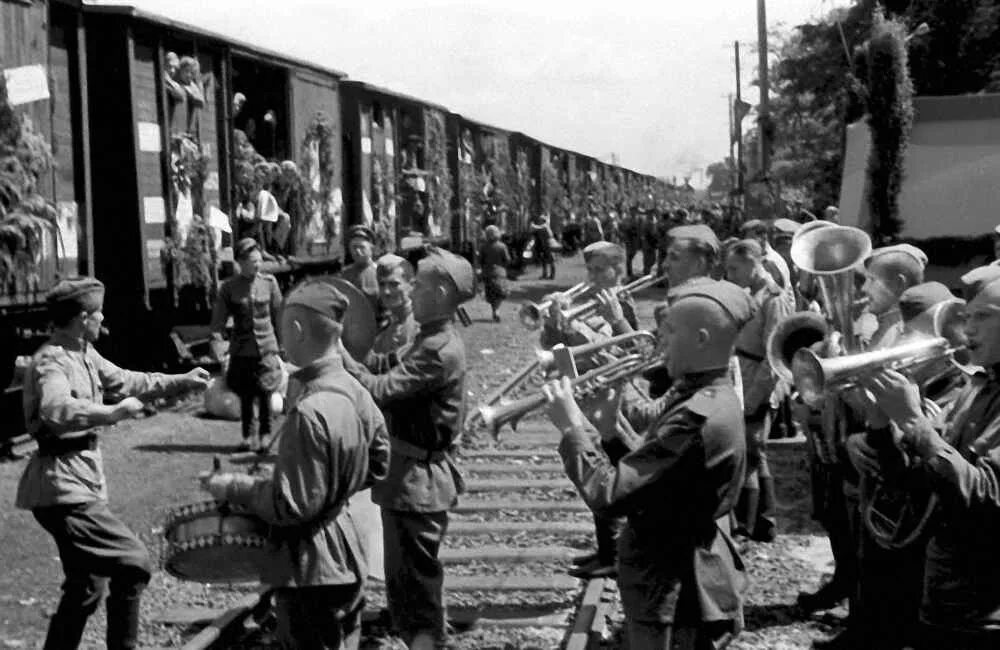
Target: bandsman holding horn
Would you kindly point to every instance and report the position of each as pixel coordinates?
(679, 574)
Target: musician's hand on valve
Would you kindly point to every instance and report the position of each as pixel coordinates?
(862, 455)
(563, 409)
(895, 395)
(610, 306)
(602, 410)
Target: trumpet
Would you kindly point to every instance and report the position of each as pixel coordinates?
(532, 313)
(614, 372)
(584, 310)
(641, 340)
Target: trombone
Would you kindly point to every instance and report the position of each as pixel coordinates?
(532, 313)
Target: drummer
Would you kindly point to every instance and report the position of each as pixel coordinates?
(332, 445)
(63, 483)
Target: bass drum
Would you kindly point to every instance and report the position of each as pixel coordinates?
(359, 321)
(214, 543)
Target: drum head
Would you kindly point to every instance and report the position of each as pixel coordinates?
(359, 321)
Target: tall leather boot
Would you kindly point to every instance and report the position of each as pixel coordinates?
(765, 525)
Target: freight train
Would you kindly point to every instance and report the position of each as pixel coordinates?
(150, 146)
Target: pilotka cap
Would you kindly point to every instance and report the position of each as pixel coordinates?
(320, 297)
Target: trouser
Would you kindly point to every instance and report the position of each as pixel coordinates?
(250, 421)
(932, 637)
(890, 585)
(414, 576)
(755, 511)
(630, 252)
(648, 259)
(248, 377)
(607, 529)
(643, 635)
(831, 510)
(98, 553)
(318, 618)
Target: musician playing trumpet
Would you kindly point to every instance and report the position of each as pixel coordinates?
(605, 268)
(960, 606)
(679, 575)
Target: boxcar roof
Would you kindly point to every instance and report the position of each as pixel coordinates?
(132, 11)
(379, 90)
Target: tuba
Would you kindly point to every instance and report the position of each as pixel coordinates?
(799, 330)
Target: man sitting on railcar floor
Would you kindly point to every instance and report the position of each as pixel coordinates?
(63, 483)
(332, 445)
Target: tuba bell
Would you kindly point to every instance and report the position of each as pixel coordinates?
(799, 330)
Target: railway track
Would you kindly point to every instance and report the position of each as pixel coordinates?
(509, 544)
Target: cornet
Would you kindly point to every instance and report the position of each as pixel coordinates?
(584, 310)
(640, 340)
(532, 313)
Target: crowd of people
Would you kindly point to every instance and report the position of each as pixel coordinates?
(672, 475)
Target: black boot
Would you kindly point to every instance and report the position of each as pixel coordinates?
(765, 527)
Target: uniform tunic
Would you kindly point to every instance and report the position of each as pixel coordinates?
(254, 304)
(676, 565)
(392, 340)
(65, 385)
(773, 305)
(332, 444)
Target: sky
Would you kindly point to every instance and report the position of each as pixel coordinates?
(645, 81)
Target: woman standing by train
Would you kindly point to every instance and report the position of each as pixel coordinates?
(494, 258)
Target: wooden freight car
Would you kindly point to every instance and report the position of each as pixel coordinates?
(399, 166)
(199, 140)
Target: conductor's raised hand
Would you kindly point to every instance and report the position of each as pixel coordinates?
(563, 409)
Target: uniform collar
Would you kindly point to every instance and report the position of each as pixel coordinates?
(321, 366)
(64, 340)
(435, 326)
(696, 380)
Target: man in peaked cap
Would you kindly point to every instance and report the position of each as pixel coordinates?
(422, 399)
(63, 483)
(960, 606)
(362, 270)
(745, 267)
(318, 561)
(680, 577)
(253, 299)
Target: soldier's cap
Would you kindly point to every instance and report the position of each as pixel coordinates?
(983, 282)
(698, 233)
(747, 248)
(458, 269)
(245, 246)
(360, 232)
(605, 251)
(785, 226)
(676, 291)
(320, 297)
(389, 262)
(906, 249)
(734, 300)
(921, 297)
(753, 224)
(80, 294)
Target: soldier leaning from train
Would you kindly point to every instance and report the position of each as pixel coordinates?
(884, 610)
(253, 300)
(680, 577)
(361, 272)
(332, 445)
(395, 286)
(960, 602)
(605, 269)
(755, 514)
(422, 399)
(65, 390)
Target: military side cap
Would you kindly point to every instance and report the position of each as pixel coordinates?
(786, 226)
(906, 249)
(699, 233)
(921, 297)
(245, 246)
(320, 297)
(753, 224)
(84, 294)
(457, 268)
(733, 299)
(360, 232)
(983, 280)
(604, 250)
(747, 247)
(389, 262)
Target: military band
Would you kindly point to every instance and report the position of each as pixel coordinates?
(896, 389)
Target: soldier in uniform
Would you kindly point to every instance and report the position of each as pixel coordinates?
(960, 605)
(361, 272)
(680, 576)
(63, 483)
(649, 234)
(745, 268)
(395, 284)
(773, 261)
(630, 227)
(605, 268)
(422, 399)
(253, 300)
(334, 444)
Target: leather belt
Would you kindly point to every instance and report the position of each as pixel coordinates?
(749, 355)
(410, 450)
(58, 446)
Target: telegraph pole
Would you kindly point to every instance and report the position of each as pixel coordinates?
(764, 109)
(738, 132)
